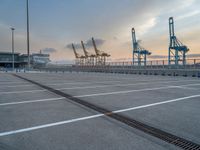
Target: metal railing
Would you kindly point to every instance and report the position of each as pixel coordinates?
(153, 64)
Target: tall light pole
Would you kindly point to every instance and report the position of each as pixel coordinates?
(28, 42)
(13, 48)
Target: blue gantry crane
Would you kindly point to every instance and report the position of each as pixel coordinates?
(139, 53)
(177, 51)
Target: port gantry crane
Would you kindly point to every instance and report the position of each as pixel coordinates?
(139, 53)
(177, 51)
(100, 55)
(89, 58)
(80, 59)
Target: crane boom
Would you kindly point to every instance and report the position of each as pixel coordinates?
(101, 56)
(75, 53)
(95, 47)
(134, 40)
(84, 50)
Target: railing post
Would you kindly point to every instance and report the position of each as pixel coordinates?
(163, 63)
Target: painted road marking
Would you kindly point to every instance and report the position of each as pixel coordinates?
(80, 83)
(84, 82)
(6, 83)
(20, 85)
(32, 101)
(92, 116)
(129, 84)
(17, 92)
(88, 87)
(158, 103)
(94, 95)
(125, 92)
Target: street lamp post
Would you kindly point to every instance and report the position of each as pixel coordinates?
(28, 43)
(13, 48)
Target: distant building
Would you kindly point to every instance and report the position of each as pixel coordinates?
(36, 59)
(39, 59)
(6, 60)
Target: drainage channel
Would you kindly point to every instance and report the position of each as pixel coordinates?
(165, 136)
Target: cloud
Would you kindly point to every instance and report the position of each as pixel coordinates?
(115, 38)
(190, 14)
(186, 3)
(3, 26)
(49, 50)
(149, 24)
(76, 45)
(98, 42)
(88, 44)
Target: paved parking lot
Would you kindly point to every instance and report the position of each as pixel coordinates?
(34, 118)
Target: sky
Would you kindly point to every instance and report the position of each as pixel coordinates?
(55, 24)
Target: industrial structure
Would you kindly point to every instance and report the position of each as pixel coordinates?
(39, 59)
(177, 51)
(101, 56)
(176, 54)
(21, 60)
(89, 58)
(139, 53)
(80, 59)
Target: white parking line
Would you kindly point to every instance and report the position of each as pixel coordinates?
(91, 95)
(32, 101)
(23, 85)
(69, 83)
(80, 83)
(158, 103)
(8, 83)
(92, 116)
(88, 87)
(187, 88)
(94, 95)
(129, 84)
(17, 92)
(191, 84)
(85, 82)
(125, 92)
